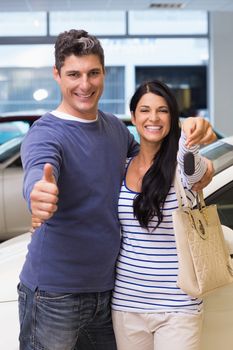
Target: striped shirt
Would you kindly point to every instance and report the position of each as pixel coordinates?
(147, 265)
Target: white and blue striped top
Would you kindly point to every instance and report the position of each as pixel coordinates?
(147, 265)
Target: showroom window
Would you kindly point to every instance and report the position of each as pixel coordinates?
(167, 22)
(96, 22)
(113, 98)
(23, 24)
(29, 89)
(23, 89)
(189, 84)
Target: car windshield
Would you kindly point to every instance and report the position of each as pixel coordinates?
(10, 148)
(221, 154)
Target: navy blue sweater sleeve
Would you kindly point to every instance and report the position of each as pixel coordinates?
(39, 147)
(133, 146)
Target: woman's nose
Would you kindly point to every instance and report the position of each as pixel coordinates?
(154, 116)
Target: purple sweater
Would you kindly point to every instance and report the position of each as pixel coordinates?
(76, 250)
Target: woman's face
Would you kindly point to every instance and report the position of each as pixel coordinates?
(152, 118)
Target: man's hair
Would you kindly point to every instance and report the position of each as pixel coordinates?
(78, 43)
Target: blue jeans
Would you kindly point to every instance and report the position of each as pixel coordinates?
(55, 321)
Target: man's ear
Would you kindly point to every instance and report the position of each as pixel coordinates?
(56, 74)
(133, 118)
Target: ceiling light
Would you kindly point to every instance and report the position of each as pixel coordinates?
(40, 94)
(168, 6)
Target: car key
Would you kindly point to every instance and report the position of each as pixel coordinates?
(189, 163)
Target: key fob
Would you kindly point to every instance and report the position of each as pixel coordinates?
(189, 164)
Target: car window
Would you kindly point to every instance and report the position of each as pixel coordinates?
(10, 148)
(223, 198)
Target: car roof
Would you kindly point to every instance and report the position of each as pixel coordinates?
(15, 118)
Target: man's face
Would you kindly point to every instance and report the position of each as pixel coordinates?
(81, 80)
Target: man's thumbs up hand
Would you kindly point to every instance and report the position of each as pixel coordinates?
(44, 195)
(48, 174)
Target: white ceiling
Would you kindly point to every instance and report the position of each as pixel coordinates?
(82, 5)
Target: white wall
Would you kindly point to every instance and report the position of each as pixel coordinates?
(221, 71)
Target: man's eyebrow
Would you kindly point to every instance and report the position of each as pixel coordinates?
(77, 71)
(97, 68)
(72, 71)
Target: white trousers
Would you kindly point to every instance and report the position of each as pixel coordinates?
(157, 331)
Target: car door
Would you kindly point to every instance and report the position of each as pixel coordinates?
(223, 198)
(16, 214)
(2, 218)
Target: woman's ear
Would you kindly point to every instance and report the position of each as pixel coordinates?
(133, 118)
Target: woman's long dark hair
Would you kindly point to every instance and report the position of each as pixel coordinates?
(158, 179)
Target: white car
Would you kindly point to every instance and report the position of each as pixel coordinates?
(15, 218)
(218, 324)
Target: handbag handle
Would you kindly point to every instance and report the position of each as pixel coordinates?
(200, 200)
(181, 195)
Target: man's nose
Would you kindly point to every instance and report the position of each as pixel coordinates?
(85, 83)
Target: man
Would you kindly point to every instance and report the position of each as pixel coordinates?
(77, 153)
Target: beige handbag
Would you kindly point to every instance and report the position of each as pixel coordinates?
(203, 258)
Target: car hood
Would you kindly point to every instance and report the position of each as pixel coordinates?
(12, 256)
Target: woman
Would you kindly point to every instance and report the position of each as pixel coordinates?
(149, 310)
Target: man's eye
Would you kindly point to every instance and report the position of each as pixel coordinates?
(94, 73)
(73, 75)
